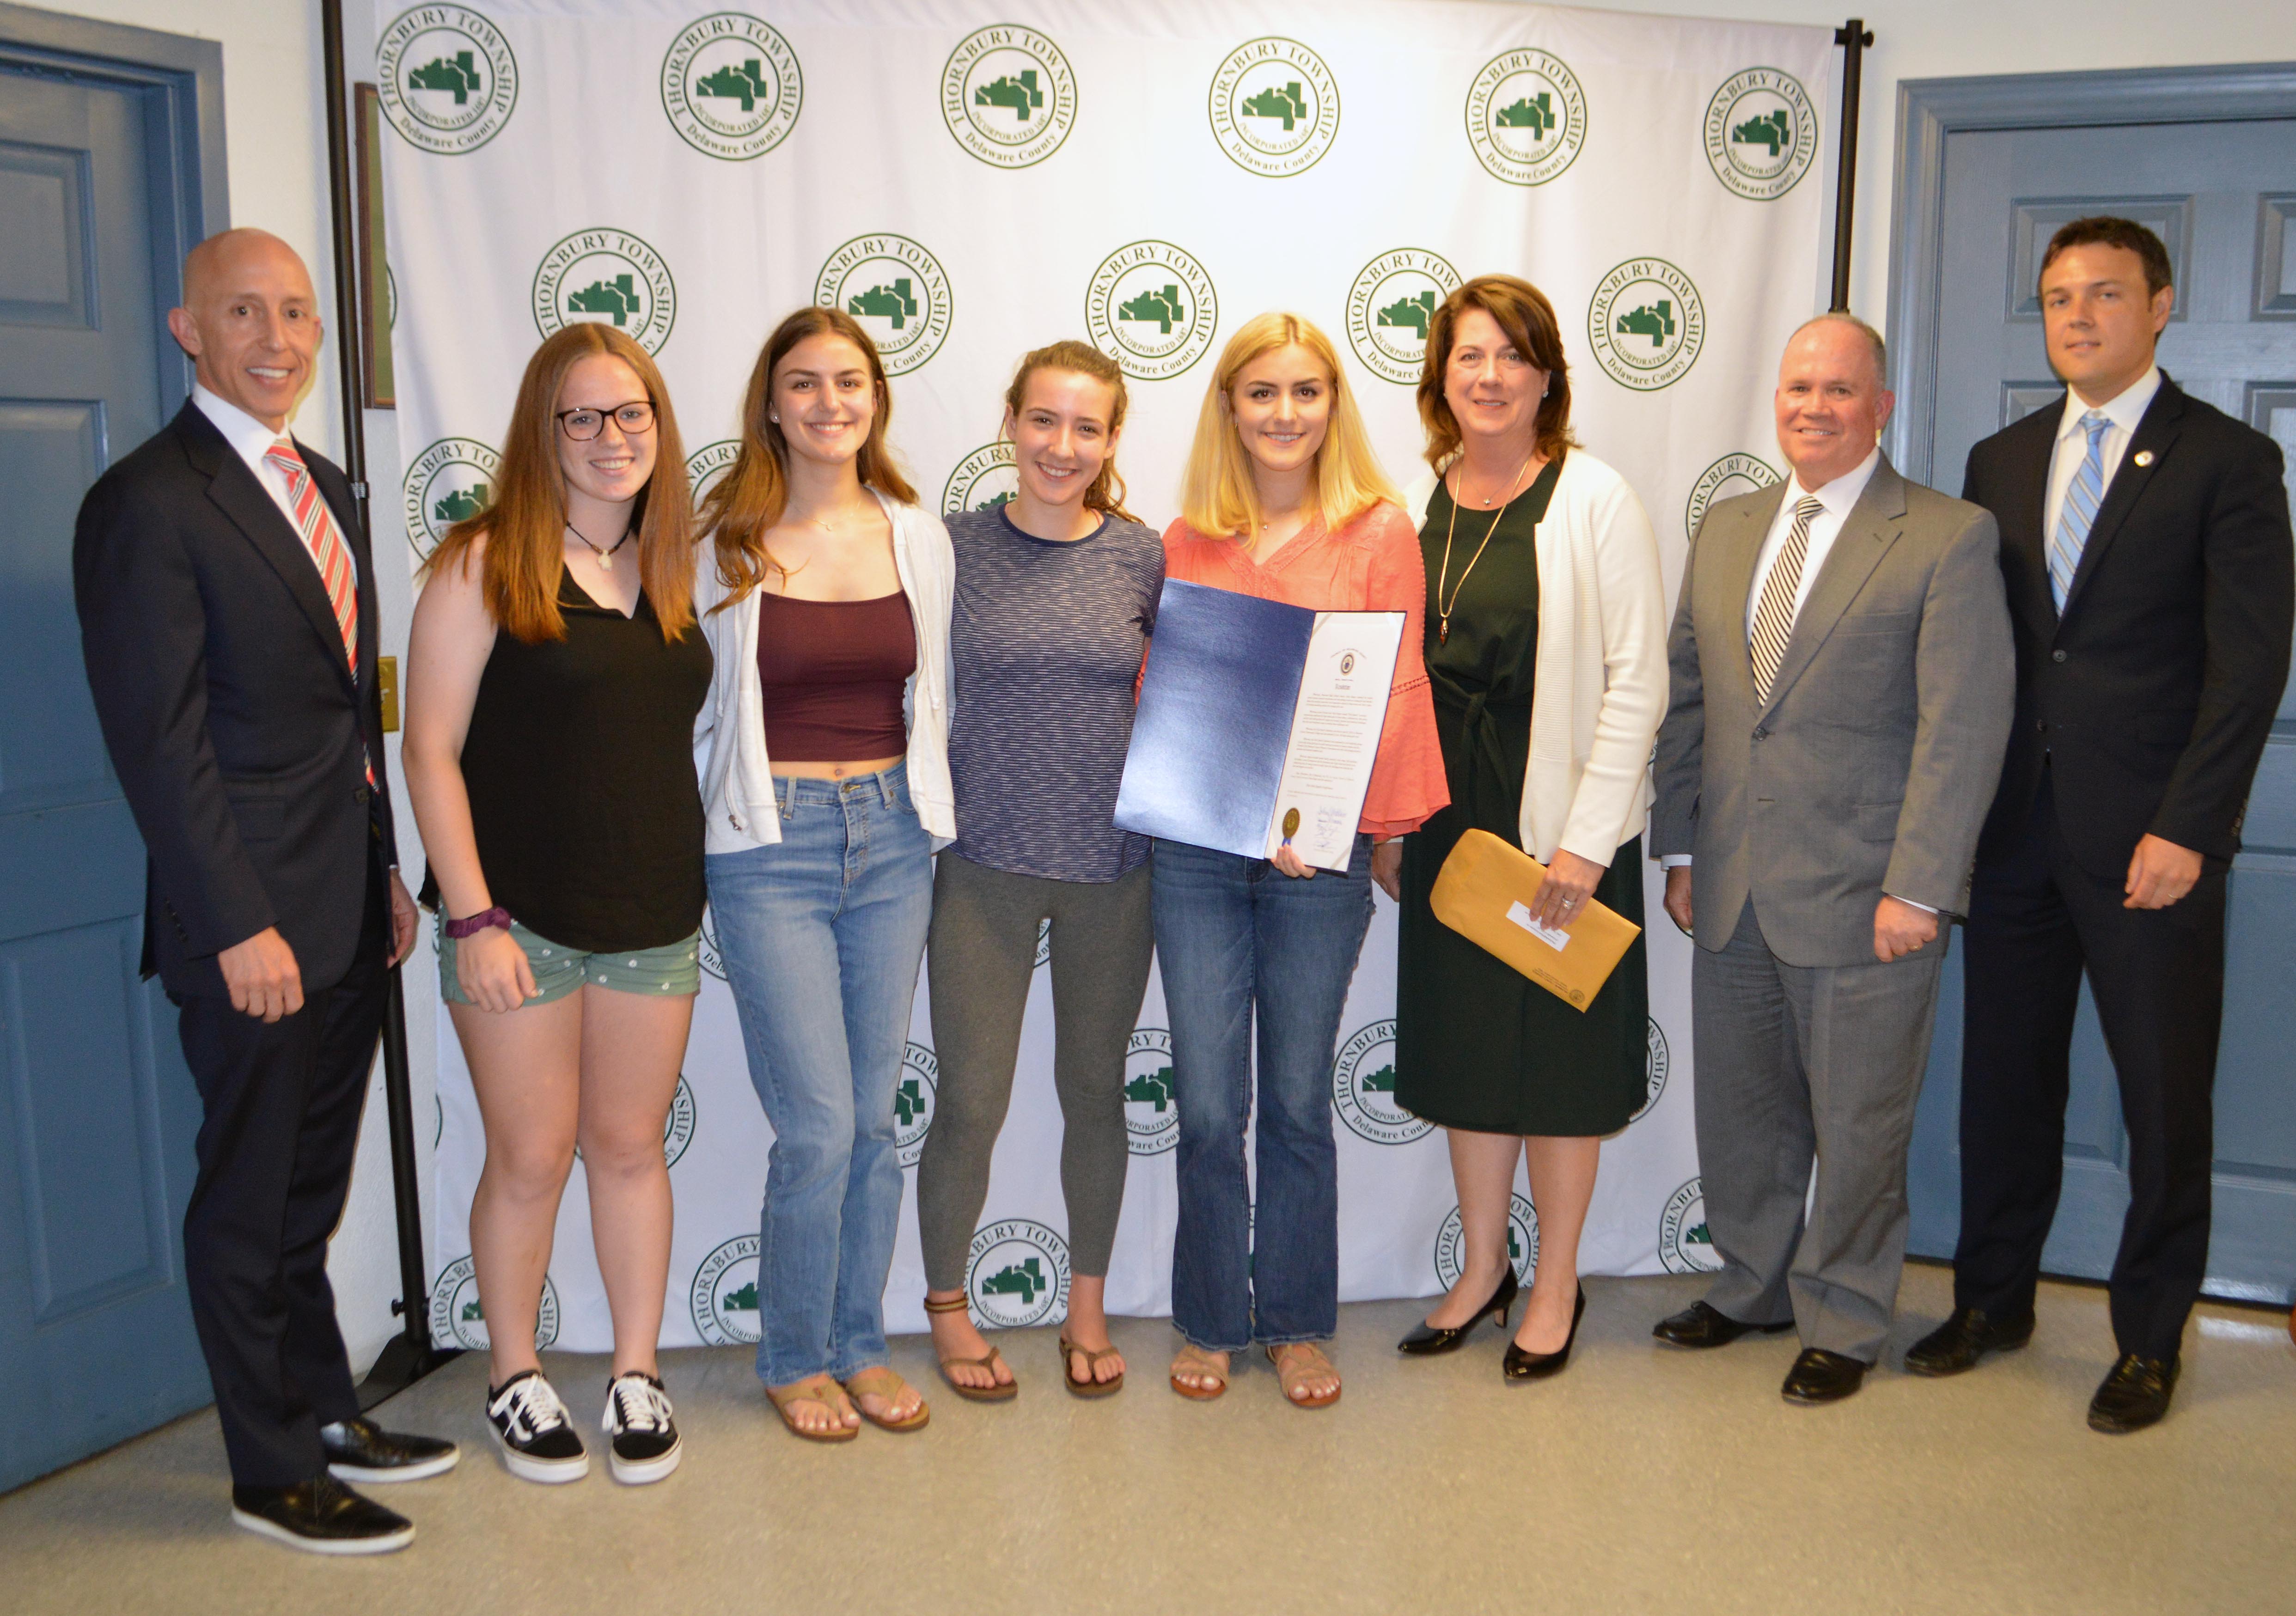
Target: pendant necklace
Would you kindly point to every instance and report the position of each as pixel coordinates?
(606, 556)
(1443, 574)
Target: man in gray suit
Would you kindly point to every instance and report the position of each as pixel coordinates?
(1842, 686)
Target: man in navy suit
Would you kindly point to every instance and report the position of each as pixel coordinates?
(227, 619)
(2145, 545)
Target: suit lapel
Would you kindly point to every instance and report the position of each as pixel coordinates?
(1741, 549)
(2154, 435)
(2023, 540)
(1866, 534)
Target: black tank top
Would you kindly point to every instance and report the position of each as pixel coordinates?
(580, 763)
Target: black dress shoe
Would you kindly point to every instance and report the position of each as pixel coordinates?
(1966, 1337)
(2134, 1395)
(1819, 1377)
(1699, 1325)
(1425, 1339)
(360, 1450)
(321, 1515)
(1519, 1365)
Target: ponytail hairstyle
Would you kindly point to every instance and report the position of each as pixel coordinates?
(524, 526)
(742, 508)
(1106, 494)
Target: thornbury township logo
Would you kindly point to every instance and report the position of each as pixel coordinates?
(724, 1294)
(1008, 95)
(1761, 134)
(447, 78)
(1646, 324)
(1044, 943)
(1684, 1244)
(1151, 308)
(982, 481)
(705, 468)
(913, 1101)
(1274, 107)
(1655, 1066)
(1526, 116)
(1151, 1114)
(1725, 479)
(1389, 308)
(732, 86)
(1018, 1275)
(1522, 1243)
(897, 289)
(1363, 1088)
(611, 275)
(713, 958)
(453, 478)
(456, 1319)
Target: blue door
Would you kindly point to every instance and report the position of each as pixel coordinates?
(97, 1111)
(2223, 198)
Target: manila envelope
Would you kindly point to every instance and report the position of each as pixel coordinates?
(1484, 894)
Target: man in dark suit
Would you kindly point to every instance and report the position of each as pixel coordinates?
(2145, 545)
(227, 618)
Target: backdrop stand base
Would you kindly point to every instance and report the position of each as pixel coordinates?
(405, 1359)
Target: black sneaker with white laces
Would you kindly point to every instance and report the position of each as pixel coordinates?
(538, 1442)
(645, 1441)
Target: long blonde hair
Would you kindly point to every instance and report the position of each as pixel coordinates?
(1218, 497)
(1106, 494)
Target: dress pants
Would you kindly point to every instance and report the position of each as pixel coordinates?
(282, 1101)
(1803, 1062)
(2037, 919)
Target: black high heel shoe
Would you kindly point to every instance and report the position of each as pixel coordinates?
(1521, 1366)
(1425, 1339)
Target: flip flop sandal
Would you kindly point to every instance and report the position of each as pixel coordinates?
(1200, 1362)
(1306, 1362)
(880, 1382)
(813, 1389)
(1089, 1386)
(1001, 1391)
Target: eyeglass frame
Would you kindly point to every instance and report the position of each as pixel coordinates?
(614, 414)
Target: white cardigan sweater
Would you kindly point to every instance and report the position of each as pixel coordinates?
(729, 735)
(1599, 679)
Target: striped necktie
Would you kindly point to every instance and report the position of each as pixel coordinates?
(1774, 616)
(2079, 515)
(316, 528)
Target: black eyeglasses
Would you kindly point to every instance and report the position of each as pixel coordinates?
(634, 418)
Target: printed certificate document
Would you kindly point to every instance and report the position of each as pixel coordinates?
(1335, 728)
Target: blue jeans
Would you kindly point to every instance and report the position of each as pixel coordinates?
(822, 934)
(1235, 935)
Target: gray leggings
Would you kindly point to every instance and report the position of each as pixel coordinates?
(979, 960)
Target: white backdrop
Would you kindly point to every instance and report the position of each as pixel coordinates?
(976, 177)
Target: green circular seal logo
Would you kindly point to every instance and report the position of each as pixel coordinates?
(705, 469)
(1656, 1064)
(1526, 116)
(458, 1320)
(1684, 1245)
(897, 289)
(452, 480)
(724, 1294)
(1150, 308)
(1646, 324)
(1151, 1112)
(1044, 945)
(732, 86)
(1725, 479)
(609, 276)
(913, 1101)
(1390, 307)
(1008, 95)
(447, 78)
(1522, 1243)
(1274, 107)
(982, 481)
(713, 958)
(1761, 134)
(1363, 1088)
(1017, 1275)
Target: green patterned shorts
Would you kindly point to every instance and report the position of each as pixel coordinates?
(673, 968)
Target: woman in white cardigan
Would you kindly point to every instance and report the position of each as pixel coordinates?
(1546, 647)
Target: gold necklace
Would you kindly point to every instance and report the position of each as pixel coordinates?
(1443, 574)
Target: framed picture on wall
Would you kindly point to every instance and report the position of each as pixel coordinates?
(378, 292)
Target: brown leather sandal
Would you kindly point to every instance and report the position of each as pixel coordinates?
(1196, 1361)
(880, 1382)
(1090, 1386)
(997, 1392)
(1296, 1364)
(813, 1389)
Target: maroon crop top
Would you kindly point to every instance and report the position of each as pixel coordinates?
(833, 673)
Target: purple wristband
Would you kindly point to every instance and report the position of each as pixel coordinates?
(470, 925)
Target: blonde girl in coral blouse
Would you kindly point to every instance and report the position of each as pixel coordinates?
(1283, 499)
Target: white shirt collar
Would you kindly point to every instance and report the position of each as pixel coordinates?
(248, 435)
(1840, 496)
(2125, 409)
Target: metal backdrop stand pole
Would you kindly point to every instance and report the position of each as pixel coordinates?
(408, 1355)
(1853, 38)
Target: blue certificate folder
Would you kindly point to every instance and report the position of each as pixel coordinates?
(1214, 718)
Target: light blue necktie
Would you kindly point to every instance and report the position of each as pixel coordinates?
(2082, 501)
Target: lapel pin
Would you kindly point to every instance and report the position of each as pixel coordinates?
(2144, 457)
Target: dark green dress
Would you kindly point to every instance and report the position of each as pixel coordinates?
(1478, 1046)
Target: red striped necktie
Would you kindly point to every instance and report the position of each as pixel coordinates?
(315, 527)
